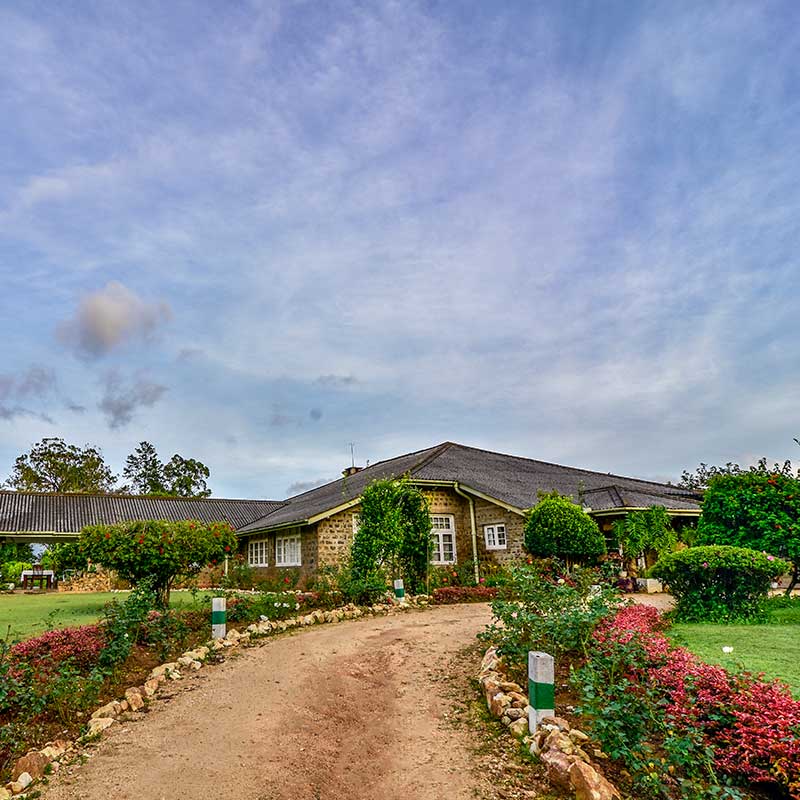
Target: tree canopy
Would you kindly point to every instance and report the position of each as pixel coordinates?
(179, 477)
(52, 465)
(702, 476)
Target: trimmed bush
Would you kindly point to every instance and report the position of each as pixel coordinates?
(718, 583)
(557, 527)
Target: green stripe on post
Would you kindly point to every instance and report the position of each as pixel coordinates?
(218, 617)
(541, 695)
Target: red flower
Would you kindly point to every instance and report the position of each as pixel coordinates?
(286, 580)
(455, 574)
(108, 535)
(227, 548)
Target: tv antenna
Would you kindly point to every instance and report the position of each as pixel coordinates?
(352, 453)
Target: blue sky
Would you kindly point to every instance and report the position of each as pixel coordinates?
(252, 233)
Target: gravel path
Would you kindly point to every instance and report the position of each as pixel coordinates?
(352, 711)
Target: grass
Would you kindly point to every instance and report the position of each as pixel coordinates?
(770, 648)
(26, 615)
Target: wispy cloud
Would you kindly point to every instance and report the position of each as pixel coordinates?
(122, 398)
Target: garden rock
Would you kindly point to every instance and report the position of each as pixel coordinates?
(135, 699)
(4, 794)
(519, 728)
(558, 766)
(589, 784)
(34, 764)
(515, 713)
(559, 722)
(109, 710)
(99, 724)
(151, 686)
(164, 669)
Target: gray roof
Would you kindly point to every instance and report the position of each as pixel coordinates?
(513, 480)
(23, 512)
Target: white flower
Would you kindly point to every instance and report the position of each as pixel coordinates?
(296, 606)
(727, 649)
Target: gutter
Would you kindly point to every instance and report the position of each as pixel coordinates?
(473, 526)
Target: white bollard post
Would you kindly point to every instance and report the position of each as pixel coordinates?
(218, 618)
(400, 590)
(541, 688)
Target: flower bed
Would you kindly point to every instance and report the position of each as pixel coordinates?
(751, 726)
(463, 594)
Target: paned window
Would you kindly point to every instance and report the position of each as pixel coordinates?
(495, 536)
(444, 538)
(257, 553)
(287, 551)
(356, 523)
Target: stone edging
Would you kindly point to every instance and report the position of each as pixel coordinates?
(560, 746)
(37, 763)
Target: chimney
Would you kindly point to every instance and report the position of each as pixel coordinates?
(348, 471)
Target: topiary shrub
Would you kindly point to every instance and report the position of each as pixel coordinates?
(557, 527)
(718, 583)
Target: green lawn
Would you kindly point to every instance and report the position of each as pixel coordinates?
(28, 614)
(770, 648)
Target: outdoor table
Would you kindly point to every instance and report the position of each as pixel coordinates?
(44, 578)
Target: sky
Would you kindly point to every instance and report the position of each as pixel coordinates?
(255, 232)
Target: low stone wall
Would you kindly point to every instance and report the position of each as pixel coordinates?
(33, 766)
(90, 582)
(563, 748)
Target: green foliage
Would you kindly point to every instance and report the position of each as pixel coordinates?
(555, 526)
(641, 531)
(11, 551)
(754, 509)
(63, 556)
(394, 534)
(718, 583)
(705, 473)
(54, 466)
(179, 477)
(157, 551)
(537, 611)
(186, 477)
(12, 571)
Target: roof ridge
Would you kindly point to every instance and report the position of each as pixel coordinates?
(438, 450)
(565, 466)
(119, 496)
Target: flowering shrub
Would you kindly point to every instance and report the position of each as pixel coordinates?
(718, 583)
(157, 551)
(464, 594)
(750, 728)
(81, 645)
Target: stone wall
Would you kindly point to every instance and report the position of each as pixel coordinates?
(487, 513)
(335, 535)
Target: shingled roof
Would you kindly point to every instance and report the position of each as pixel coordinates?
(30, 512)
(513, 480)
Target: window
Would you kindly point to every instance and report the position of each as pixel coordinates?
(444, 539)
(356, 523)
(287, 551)
(495, 536)
(257, 553)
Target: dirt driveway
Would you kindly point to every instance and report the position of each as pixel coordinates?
(353, 711)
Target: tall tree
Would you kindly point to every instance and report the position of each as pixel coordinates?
(52, 465)
(143, 468)
(186, 477)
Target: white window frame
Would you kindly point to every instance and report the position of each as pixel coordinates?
(261, 552)
(438, 534)
(492, 532)
(281, 543)
(356, 522)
